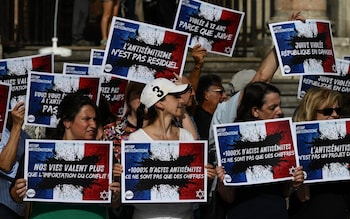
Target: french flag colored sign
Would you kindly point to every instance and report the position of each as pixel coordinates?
(112, 88)
(142, 52)
(46, 91)
(68, 171)
(96, 56)
(214, 27)
(256, 152)
(339, 82)
(5, 92)
(164, 171)
(81, 69)
(324, 149)
(14, 71)
(304, 48)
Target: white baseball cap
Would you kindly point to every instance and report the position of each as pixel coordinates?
(159, 88)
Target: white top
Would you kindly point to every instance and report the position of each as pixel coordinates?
(162, 211)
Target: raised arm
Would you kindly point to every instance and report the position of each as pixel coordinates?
(198, 54)
(8, 154)
(267, 68)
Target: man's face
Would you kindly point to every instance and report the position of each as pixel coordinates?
(214, 94)
(188, 96)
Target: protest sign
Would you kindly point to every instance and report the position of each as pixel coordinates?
(46, 90)
(142, 52)
(304, 48)
(68, 171)
(164, 171)
(82, 69)
(112, 88)
(15, 72)
(324, 149)
(339, 82)
(256, 152)
(96, 56)
(346, 57)
(213, 27)
(5, 92)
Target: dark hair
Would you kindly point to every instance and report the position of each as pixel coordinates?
(105, 112)
(70, 107)
(204, 83)
(346, 106)
(253, 96)
(133, 87)
(140, 115)
(152, 114)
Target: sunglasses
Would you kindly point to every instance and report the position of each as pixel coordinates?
(329, 111)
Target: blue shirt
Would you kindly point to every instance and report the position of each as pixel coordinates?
(6, 178)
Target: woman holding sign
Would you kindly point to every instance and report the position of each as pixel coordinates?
(79, 119)
(163, 101)
(260, 101)
(119, 131)
(321, 200)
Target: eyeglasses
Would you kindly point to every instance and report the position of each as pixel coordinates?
(329, 111)
(219, 90)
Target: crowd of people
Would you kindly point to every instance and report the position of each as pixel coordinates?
(184, 110)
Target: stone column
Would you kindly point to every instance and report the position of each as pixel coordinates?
(310, 9)
(317, 9)
(342, 17)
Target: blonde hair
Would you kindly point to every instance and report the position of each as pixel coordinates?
(313, 100)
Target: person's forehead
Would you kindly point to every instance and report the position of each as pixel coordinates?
(324, 104)
(271, 97)
(218, 85)
(86, 108)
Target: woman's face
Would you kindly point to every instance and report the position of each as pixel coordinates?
(271, 108)
(173, 105)
(83, 127)
(328, 112)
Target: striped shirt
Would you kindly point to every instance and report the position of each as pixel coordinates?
(7, 178)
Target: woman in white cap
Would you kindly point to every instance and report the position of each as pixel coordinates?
(163, 101)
